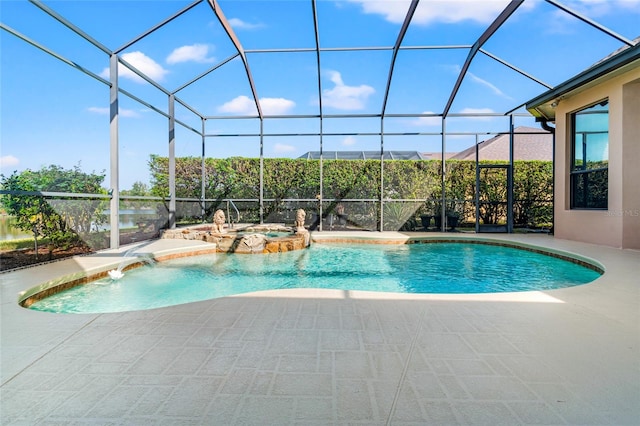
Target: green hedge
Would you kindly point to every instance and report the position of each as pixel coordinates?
(420, 180)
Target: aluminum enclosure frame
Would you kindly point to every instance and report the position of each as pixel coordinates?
(115, 92)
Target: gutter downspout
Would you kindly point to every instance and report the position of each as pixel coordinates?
(544, 123)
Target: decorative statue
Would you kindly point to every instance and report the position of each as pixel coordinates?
(218, 222)
(301, 215)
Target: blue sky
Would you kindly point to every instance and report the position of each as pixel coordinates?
(52, 113)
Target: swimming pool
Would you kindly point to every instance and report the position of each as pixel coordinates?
(413, 268)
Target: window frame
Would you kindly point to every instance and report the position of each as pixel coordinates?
(576, 171)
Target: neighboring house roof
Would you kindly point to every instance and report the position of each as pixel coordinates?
(437, 155)
(529, 143)
(628, 57)
(363, 155)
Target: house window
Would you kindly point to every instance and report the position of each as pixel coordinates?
(589, 173)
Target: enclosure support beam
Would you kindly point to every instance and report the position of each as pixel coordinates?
(158, 26)
(172, 162)
(69, 25)
(403, 30)
(51, 52)
(215, 67)
(592, 23)
(236, 42)
(381, 227)
(516, 69)
(204, 176)
(508, 11)
(510, 179)
(261, 172)
(114, 215)
(317, 37)
(477, 192)
(321, 195)
(443, 214)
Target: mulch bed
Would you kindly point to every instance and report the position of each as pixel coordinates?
(15, 259)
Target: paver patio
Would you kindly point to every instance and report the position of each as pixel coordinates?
(318, 357)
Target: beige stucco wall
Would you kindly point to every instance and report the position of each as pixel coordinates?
(631, 165)
(619, 226)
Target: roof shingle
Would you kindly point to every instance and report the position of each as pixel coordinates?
(529, 143)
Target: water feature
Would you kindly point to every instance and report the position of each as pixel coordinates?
(129, 258)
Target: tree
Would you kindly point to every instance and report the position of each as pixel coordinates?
(138, 189)
(63, 221)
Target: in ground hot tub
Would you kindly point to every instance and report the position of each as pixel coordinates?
(252, 239)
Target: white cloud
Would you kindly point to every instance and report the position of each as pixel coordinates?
(239, 105)
(9, 161)
(99, 110)
(594, 7)
(193, 53)
(563, 23)
(427, 121)
(239, 24)
(244, 105)
(276, 106)
(489, 85)
(349, 141)
(597, 8)
(143, 63)
(559, 23)
(345, 97)
(393, 11)
(128, 113)
(428, 12)
(280, 148)
(335, 77)
(478, 111)
(105, 111)
(456, 70)
(631, 4)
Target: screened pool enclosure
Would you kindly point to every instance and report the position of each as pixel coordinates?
(352, 110)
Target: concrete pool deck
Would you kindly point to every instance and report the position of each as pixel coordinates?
(318, 357)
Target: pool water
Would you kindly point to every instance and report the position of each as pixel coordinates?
(413, 268)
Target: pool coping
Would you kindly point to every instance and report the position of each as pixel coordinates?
(585, 261)
(65, 282)
(68, 281)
